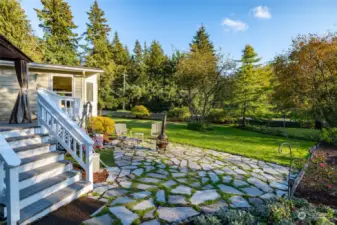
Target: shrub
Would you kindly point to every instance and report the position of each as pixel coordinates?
(140, 111)
(198, 125)
(307, 124)
(281, 211)
(179, 114)
(219, 116)
(103, 125)
(329, 135)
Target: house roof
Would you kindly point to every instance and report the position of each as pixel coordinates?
(51, 67)
(10, 52)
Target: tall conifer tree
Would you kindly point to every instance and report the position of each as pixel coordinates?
(247, 84)
(98, 54)
(15, 26)
(60, 40)
(201, 41)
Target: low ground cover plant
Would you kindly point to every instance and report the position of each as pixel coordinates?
(280, 212)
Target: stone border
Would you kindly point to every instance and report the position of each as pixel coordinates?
(300, 175)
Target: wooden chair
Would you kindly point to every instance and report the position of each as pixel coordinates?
(155, 130)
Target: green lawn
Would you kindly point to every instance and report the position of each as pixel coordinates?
(227, 139)
(301, 132)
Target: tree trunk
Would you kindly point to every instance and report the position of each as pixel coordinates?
(318, 125)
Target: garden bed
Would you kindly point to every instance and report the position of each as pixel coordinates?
(319, 183)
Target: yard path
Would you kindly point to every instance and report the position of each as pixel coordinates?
(153, 187)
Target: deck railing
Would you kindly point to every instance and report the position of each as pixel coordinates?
(9, 181)
(60, 126)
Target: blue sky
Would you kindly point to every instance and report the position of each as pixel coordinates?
(267, 25)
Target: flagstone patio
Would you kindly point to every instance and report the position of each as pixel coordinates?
(159, 188)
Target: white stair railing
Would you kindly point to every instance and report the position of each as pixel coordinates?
(9, 181)
(61, 126)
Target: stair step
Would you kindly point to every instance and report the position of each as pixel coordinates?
(39, 174)
(20, 141)
(40, 160)
(54, 201)
(15, 131)
(46, 187)
(31, 150)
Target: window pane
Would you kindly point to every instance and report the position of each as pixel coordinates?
(63, 85)
(90, 92)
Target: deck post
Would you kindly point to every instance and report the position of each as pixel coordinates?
(13, 195)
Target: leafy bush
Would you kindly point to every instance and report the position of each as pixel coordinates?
(198, 125)
(282, 211)
(102, 125)
(307, 124)
(179, 114)
(329, 135)
(219, 116)
(140, 111)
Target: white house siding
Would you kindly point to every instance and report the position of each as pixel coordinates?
(9, 88)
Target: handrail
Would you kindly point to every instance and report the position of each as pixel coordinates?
(66, 131)
(9, 181)
(7, 154)
(73, 110)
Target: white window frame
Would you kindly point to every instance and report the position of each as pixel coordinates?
(63, 75)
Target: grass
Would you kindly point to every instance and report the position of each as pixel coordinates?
(227, 139)
(300, 132)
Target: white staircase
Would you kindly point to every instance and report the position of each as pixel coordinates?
(46, 180)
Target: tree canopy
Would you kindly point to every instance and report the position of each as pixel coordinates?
(60, 41)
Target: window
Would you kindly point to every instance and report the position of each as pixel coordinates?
(63, 85)
(90, 92)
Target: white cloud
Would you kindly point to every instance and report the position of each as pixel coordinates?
(235, 25)
(261, 12)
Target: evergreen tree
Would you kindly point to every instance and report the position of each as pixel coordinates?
(154, 60)
(97, 51)
(15, 26)
(247, 85)
(138, 70)
(98, 54)
(201, 41)
(120, 55)
(60, 41)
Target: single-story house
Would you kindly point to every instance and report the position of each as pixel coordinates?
(72, 81)
(35, 178)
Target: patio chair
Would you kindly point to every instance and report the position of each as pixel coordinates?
(121, 131)
(155, 130)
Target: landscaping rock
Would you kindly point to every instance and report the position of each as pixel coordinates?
(239, 202)
(169, 183)
(160, 196)
(212, 208)
(203, 196)
(181, 189)
(100, 220)
(252, 191)
(115, 192)
(175, 214)
(151, 222)
(146, 204)
(177, 199)
(142, 194)
(229, 190)
(122, 200)
(123, 214)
